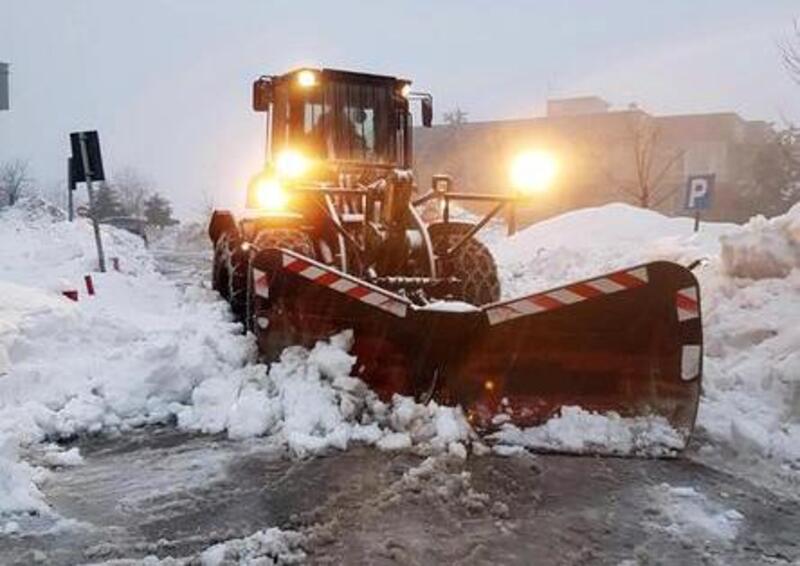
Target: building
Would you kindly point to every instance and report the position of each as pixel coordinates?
(604, 156)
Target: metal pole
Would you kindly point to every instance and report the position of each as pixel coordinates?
(697, 220)
(70, 189)
(512, 218)
(85, 157)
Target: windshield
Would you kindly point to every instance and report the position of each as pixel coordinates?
(343, 121)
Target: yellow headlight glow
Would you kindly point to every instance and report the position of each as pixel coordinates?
(405, 91)
(306, 78)
(534, 171)
(291, 164)
(271, 196)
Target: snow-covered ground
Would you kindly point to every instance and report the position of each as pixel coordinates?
(146, 350)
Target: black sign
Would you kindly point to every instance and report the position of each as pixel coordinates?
(92, 142)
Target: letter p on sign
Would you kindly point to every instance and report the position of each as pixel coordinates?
(698, 192)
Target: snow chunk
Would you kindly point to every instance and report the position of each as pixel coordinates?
(580, 431)
(395, 441)
(270, 546)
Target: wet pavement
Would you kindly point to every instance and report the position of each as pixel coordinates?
(163, 492)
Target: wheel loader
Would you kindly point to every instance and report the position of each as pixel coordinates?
(334, 237)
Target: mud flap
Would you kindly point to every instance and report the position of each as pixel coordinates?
(628, 342)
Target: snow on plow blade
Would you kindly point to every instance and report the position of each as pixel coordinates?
(628, 342)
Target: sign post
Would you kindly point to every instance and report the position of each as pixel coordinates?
(4, 97)
(71, 186)
(88, 167)
(699, 190)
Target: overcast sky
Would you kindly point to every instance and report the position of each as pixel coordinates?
(167, 82)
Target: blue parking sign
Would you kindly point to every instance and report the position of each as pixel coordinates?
(699, 189)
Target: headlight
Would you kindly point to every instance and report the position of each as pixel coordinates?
(306, 78)
(291, 164)
(270, 195)
(533, 171)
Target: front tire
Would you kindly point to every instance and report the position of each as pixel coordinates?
(260, 311)
(473, 264)
(229, 272)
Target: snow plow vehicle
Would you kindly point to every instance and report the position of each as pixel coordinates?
(333, 238)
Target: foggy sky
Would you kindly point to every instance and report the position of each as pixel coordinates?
(167, 82)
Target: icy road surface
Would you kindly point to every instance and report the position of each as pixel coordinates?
(168, 493)
(157, 493)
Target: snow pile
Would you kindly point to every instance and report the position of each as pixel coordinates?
(752, 307)
(128, 356)
(690, 515)
(309, 401)
(578, 431)
(270, 546)
(587, 242)
(764, 248)
(41, 250)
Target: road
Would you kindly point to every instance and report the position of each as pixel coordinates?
(163, 492)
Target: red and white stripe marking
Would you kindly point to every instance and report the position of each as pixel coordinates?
(363, 292)
(260, 283)
(687, 304)
(569, 295)
(691, 355)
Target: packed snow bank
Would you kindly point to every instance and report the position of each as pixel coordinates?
(578, 431)
(764, 248)
(592, 241)
(751, 396)
(127, 356)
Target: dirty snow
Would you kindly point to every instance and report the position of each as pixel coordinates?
(691, 516)
(270, 546)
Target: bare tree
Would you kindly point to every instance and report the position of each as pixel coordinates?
(14, 180)
(133, 189)
(455, 117)
(790, 50)
(651, 164)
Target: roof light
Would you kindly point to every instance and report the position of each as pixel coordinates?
(306, 78)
